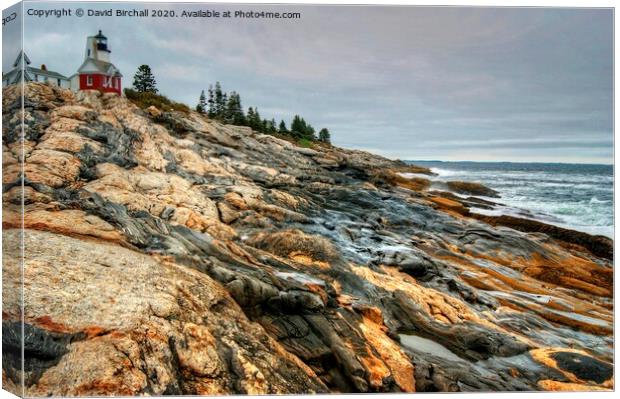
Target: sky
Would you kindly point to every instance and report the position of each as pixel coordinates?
(418, 83)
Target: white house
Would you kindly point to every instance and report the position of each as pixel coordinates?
(32, 74)
(95, 73)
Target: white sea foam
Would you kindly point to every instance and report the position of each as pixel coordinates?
(447, 172)
(578, 197)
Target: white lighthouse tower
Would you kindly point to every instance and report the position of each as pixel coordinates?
(97, 48)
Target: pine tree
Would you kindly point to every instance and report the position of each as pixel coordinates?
(324, 136)
(300, 129)
(211, 102)
(220, 103)
(239, 116)
(227, 108)
(297, 126)
(223, 115)
(226, 115)
(309, 134)
(256, 121)
(144, 81)
(234, 111)
(250, 117)
(266, 126)
(282, 128)
(202, 103)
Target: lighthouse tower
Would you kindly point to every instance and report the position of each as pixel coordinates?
(97, 72)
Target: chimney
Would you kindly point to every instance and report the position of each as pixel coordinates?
(43, 67)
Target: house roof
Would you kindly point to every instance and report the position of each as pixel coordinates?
(46, 72)
(101, 66)
(19, 57)
(15, 75)
(17, 78)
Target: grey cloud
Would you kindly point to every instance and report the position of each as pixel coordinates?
(384, 78)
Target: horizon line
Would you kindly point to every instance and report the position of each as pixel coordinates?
(510, 162)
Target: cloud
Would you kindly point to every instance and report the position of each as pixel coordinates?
(182, 72)
(511, 83)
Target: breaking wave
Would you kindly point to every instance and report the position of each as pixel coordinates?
(575, 196)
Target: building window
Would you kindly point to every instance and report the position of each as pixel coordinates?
(89, 80)
(36, 77)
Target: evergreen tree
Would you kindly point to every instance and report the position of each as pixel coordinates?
(226, 115)
(227, 108)
(282, 129)
(324, 136)
(144, 81)
(250, 117)
(211, 102)
(202, 103)
(223, 115)
(297, 127)
(239, 117)
(309, 132)
(254, 121)
(220, 103)
(301, 129)
(234, 111)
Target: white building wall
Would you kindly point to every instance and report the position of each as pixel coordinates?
(74, 82)
(103, 56)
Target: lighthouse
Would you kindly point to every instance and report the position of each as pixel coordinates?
(97, 72)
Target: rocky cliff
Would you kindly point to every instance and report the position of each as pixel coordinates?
(169, 254)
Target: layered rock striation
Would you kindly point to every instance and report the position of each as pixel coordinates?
(166, 253)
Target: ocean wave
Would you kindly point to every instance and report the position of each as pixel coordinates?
(595, 200)
(447, 172)
(579, 201)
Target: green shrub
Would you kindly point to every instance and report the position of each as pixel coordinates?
(146, 99)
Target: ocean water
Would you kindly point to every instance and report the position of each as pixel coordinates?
(575, 196)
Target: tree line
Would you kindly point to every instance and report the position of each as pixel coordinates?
(227, 108)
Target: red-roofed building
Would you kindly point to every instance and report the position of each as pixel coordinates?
(97, 72)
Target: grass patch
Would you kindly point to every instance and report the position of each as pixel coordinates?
(146, 99)
(305, 143)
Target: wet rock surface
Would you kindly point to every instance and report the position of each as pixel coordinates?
(471, 188)
(170, 254)
(583, 367)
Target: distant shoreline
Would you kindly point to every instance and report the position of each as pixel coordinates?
(414, 161)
